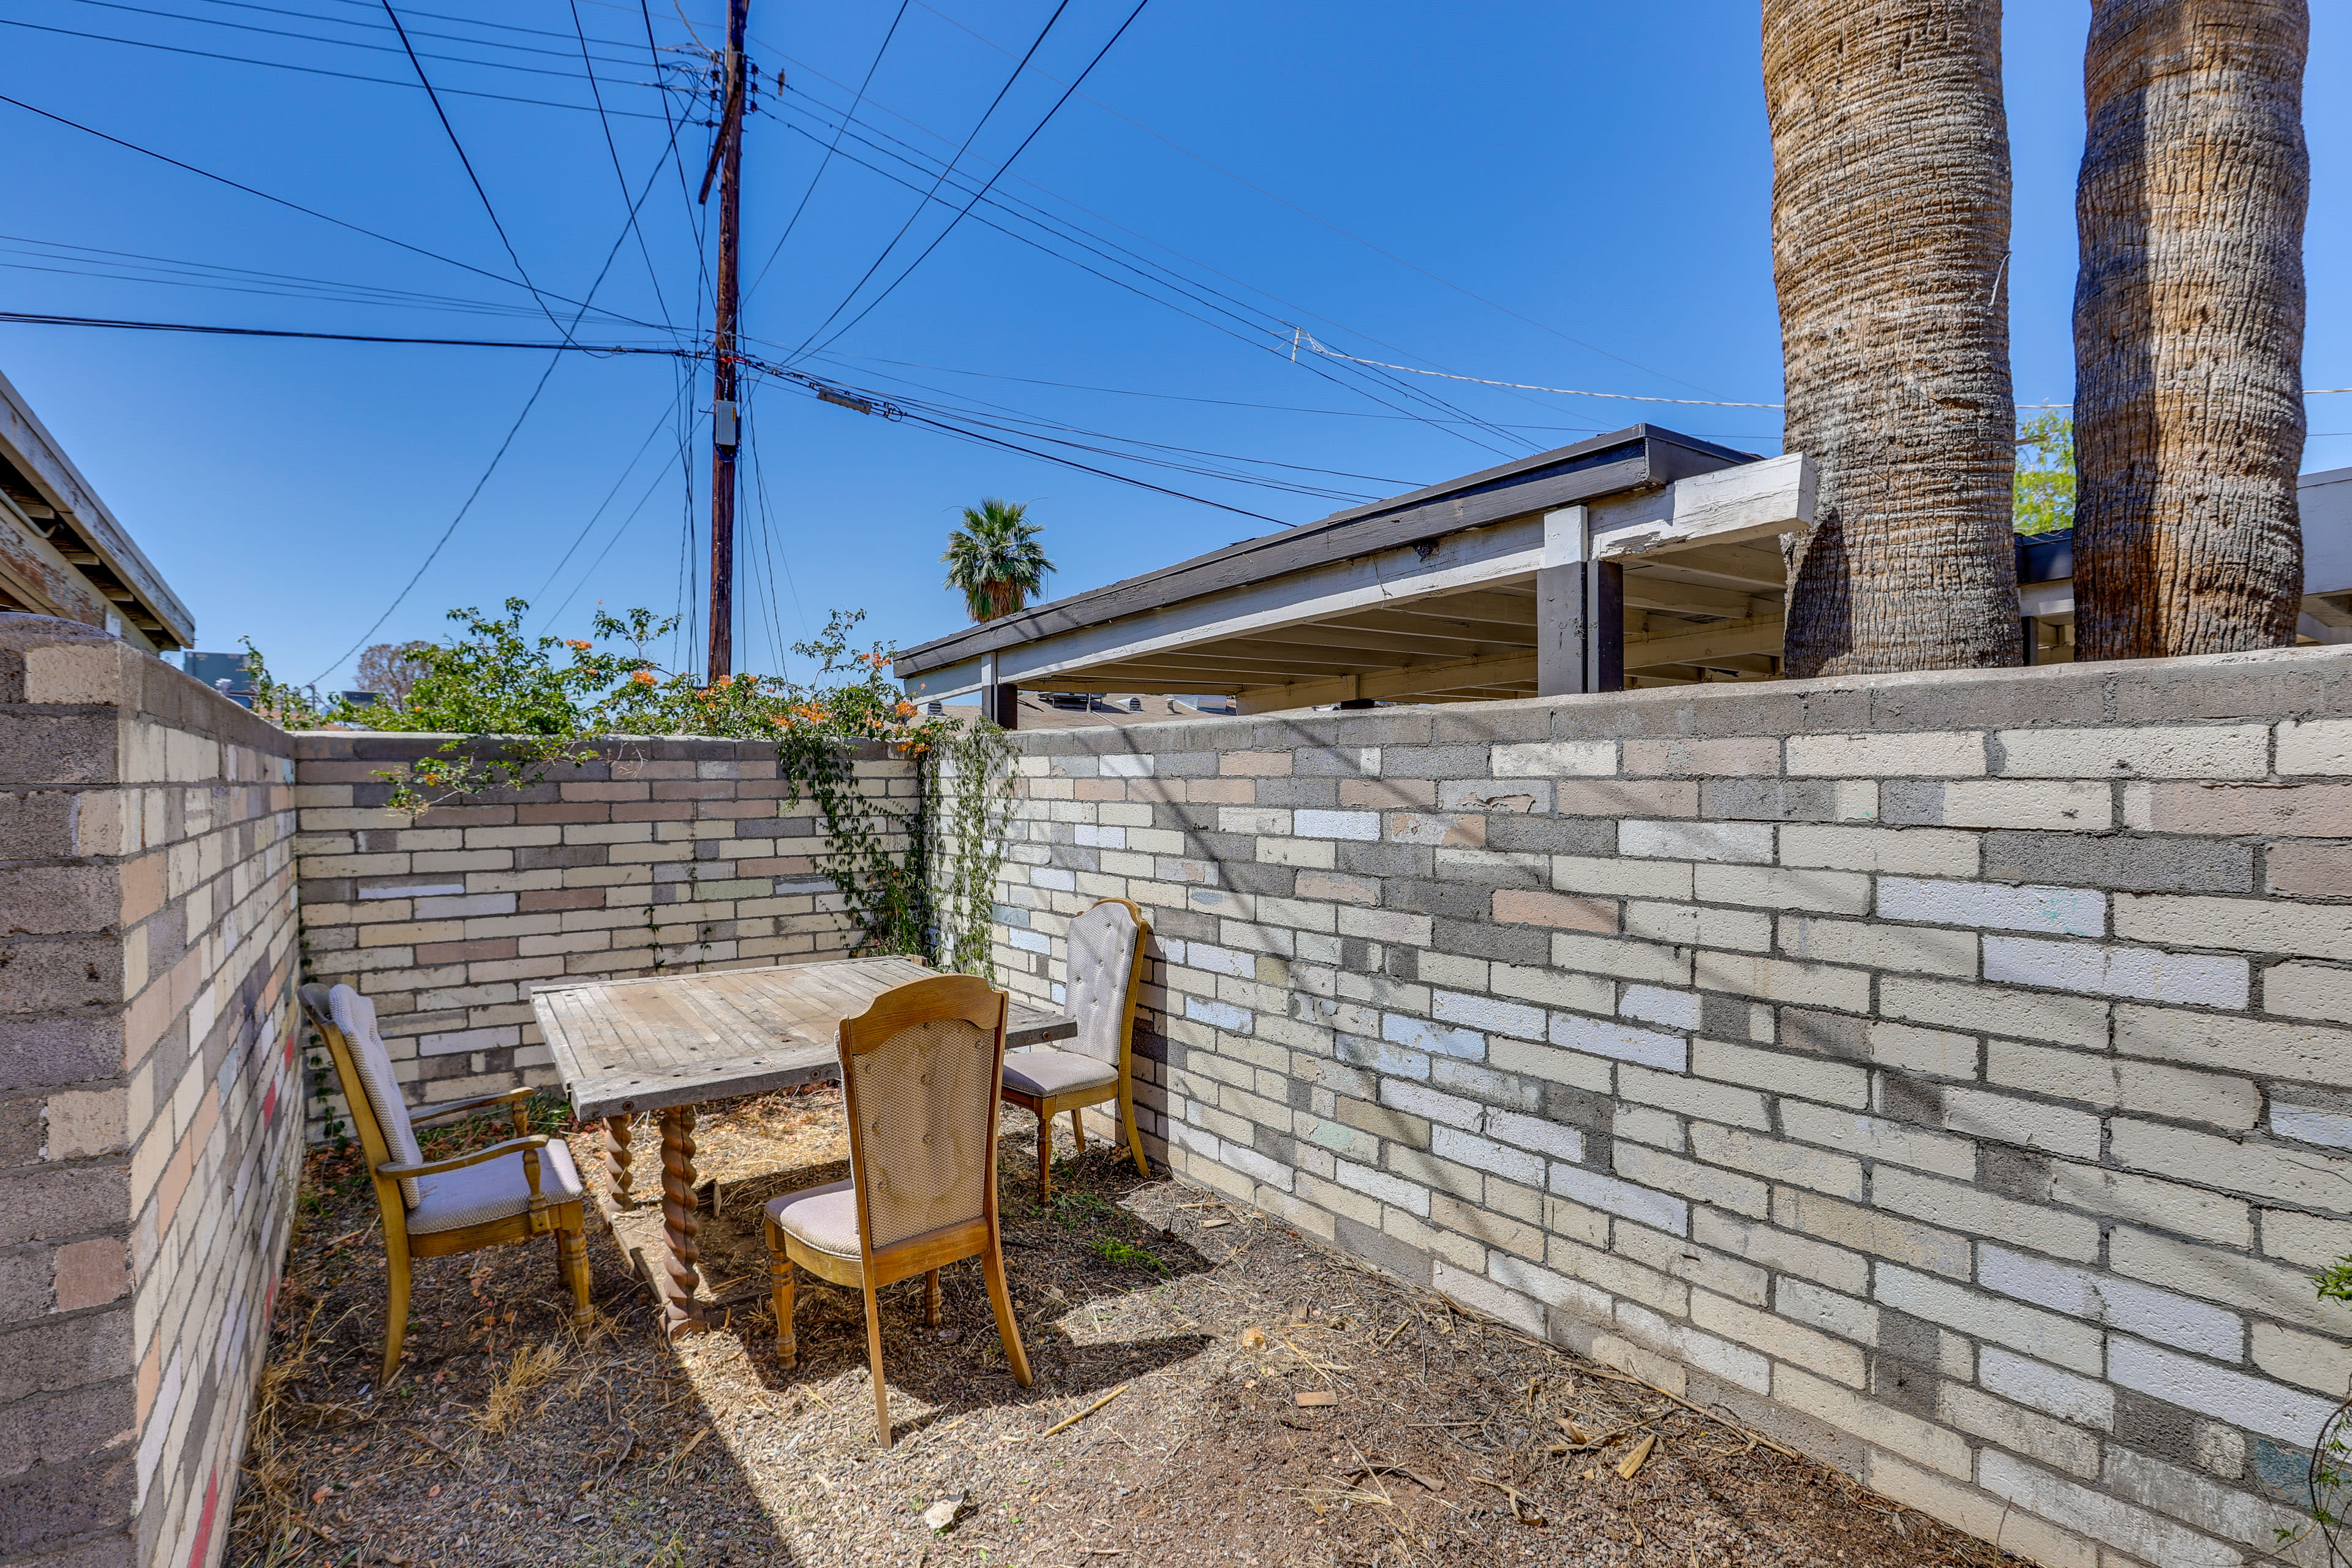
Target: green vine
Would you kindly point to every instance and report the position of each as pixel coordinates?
(968, 786)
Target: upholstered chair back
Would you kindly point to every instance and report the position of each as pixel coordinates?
(1103, 956)
(924, 1101)
(354, 1015)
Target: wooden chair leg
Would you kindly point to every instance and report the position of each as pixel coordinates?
(1045, 1157)
(999, 1300)
(395, 1317)
(571, 1259)
(1134, 1137)
(874, 1354)
(934, 1300)
(780, 1296)
(1077, 1132)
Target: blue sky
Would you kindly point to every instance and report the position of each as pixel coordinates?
(1574, 194)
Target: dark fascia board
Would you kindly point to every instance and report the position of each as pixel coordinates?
(1642, 457)
(29, 446)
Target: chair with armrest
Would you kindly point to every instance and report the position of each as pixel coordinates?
(510, 1191)
(1105, 971)
(920, 1074)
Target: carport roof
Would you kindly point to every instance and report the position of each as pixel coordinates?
(1642, 457)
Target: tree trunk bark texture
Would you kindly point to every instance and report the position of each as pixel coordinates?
(2188, 420)
(1890, 243)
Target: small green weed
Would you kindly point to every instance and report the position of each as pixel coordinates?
(1127, 1256)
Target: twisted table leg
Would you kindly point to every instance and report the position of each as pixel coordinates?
(680, 1224)
(618, 1158)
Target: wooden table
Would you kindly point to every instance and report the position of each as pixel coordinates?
(667, 1043)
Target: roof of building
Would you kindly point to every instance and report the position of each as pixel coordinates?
(1639, 457)
(47, 496)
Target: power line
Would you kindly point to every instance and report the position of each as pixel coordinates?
(443, 115)
(1258, 336)
(1158, 273)
(1306, 341)
(945, 170)
(291, 205)
(1325, 223)
(827, 161)
(668, 412)
(495, 458)
(991, 184)
(36, 318)
(613, 150)
(307, 70)
(344, 43)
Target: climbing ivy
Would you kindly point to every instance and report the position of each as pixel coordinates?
(969, 785)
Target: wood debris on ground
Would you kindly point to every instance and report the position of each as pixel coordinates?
(1371, 1424)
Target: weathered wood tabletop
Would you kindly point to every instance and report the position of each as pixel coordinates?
(669, 1043)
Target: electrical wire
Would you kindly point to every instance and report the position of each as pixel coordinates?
(1325, 223)
(1306, 341)
(1257, 336)
(669, 151)
(295, 206)
(307, 70)
(37, 318)
(344, 43)
(613, 149)
(1036, 215)
(443, 115)
(668, 412)
(940, 237)
(827, 161)
(946, 169)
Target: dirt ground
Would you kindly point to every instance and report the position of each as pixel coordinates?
(506, 1438)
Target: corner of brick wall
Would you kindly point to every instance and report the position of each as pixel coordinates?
(1949, 1073)
(148, 1139)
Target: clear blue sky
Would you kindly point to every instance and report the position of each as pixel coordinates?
(1597, 173)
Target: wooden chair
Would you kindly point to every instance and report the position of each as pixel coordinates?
(919, 1072)
(512, 1191)
(1105, 974)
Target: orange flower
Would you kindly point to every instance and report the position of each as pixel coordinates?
(643, 678)
(581, 647)
(905, 710)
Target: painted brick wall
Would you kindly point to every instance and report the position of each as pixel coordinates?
(666, 855)
(1950, 1073)
(149, 1103)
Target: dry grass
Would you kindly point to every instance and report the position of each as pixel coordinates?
(1171, 1333)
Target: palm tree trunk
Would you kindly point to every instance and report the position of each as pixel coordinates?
(1890, 241)
(2189, 421)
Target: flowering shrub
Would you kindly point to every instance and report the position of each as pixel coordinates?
(548, 700)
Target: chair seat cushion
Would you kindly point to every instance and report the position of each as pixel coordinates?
(495, 1189)
(1045, 1073)
(824, 1218)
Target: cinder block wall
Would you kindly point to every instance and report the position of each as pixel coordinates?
(663, 855)
(1949, 1073)
(149, 1105)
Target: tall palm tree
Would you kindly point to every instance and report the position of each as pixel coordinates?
(2189, 326)
(994, 559)
(1890, 238)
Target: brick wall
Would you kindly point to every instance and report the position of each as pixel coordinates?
(665, 855)
(148, 1099)
(1948, 1073)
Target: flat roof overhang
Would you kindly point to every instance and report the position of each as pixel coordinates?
(48, 497)
(1432, 596)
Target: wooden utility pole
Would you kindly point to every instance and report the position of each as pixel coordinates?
(727, 164)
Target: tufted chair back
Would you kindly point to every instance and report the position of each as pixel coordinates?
(354, 1018)
(922, 1105)
(1106, 946)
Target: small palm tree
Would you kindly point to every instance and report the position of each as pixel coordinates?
(994, 560)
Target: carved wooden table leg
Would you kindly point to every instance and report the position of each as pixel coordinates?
(680, 1223)
(618, 1158)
